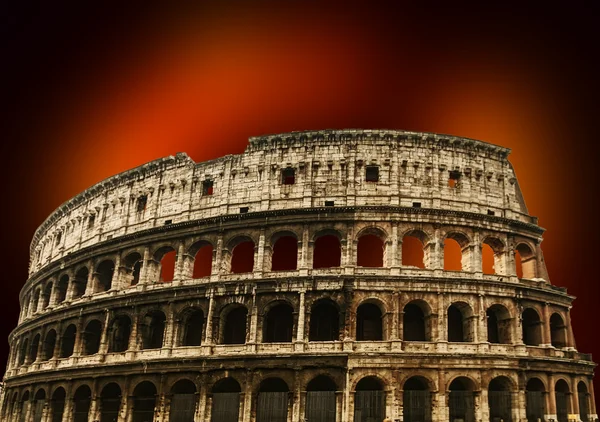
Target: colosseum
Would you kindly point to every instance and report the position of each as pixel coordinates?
(322, 276)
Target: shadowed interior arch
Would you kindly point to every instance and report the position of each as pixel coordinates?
(327, 252)
(279, 324)
(285, 254)
(370, 251)
(324, 322)
(242, 257)
(369, 324)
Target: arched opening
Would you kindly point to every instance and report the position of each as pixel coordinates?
(535, 408)
(558, 331)
(242, 257)
(144, 402)
(49, 345)
(525, 262)
(193, 328)
(23, 350)
(226, 401)
(80, 282)
(413, 252)
(81, 404)
(416, 326)
(183, 401)
(460, 323)
(532, 327)
(67, 343)
(14, 403)
(39, 401)
(234, 325)
(324, 322)
(120, 332)
(487, 259)
(499, 400)
(279, 324)
(320, 400)
(33, 350)
(25, 306)
(462, 400)
(370, 251)
(584, 401)
(453, 247)
(133, 267)
(153, 329)
(369, 400)
(57, 405)
(369, 323)
(417, 400)
(272, 401)
(110, 402)
(104, 275)
(499, 326)
(61, 289)
(203, 259)
(24, 406)
(285, 254)
(166, 257)
(563, 402)
(91, 337)
(47, 295)
(327, 252)
(35, 300)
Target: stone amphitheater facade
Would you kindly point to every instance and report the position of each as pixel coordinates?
(307, 279)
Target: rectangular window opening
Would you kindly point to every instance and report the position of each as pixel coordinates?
(372, 174)
(207, 187)
(453, 178)
(243, 210)
(416, 204)
(288, 176)
(490, 212)
(91, 221)
(141, 203)
(329, 203)
(167, 222)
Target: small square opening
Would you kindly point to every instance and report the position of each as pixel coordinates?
(372, 174)
(329, 203)
(141, 203)
(490, 212)
(453, 178)
(91, 221)
(167, 222)
(243, 210)
(416, 204)
(288, 176)
(207, 187)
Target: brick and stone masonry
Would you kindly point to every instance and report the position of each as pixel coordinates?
(308, 279)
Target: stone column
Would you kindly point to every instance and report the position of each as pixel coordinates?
(547, 335)
(170, 328)
(145, 266)
(520, 406)
(301, 317)
(252, 332)
(441, 412)
(297, 397)
(38, 353)
(179, 275)
(259, 254)
(248, 397)
(303, 249)
(104, 338)
(94, 411)
(574, 397)
(125, 405)
(592, 402)
(442, 323)
(551, 398)
(58, 342)
(215, 271)
(570, 337)
(133, 335)
(393, 259)
(208, 336)
(475, 266)
(114, 282)
(77, 348)
(90, 286)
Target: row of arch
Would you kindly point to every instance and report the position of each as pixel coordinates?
(279, 323)
(239, 255)
(272, 401)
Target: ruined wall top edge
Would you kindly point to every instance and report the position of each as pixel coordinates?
(330, 165)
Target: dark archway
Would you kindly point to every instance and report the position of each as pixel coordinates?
(462, 399)
(193, 328)
(583, 398)
(532, 327)
(153, 330)
(23, 351)
(91, 337)
(285, 254)
(272, 401)
(558, 331)
(49, 345)
(417, 400)
(104, 274)
(499, 325)
(460, 323)
(242, 257)
(416, 326)
(24, 406)
(203, 260)
(61, 289)
(370, 250)
(133, 267)
(183, 401)
(279, 324)
(234, 322)
(226, 401)
(563, 400)
(33, 350)
(81, 404)
(144, 402)
(327, 252)
(110, 402)
(499, 400)
(535, 396)
(57, 405)
(47, 295)
(39, 401)
(167, 256)
(369, 400)
(80, 282)
(120, 333)
(68, 341)
(320, 400)
(324, 322)
(413, 253)
(369, 323)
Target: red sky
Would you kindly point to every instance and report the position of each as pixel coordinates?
(94, 92)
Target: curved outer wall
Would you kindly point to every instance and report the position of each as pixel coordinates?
(98, 261)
